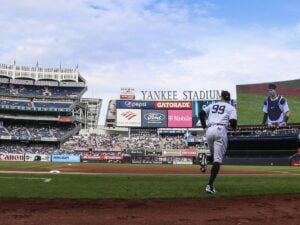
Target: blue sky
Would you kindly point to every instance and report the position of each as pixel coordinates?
(156, 44)
(277, 13)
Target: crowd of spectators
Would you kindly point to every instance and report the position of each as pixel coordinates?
(32, 103)
(148, 142)
(35, 131)
(22, 148)
(39, 91)
(117, 144)
(261, 131)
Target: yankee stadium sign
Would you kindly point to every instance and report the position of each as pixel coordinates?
(184, 95)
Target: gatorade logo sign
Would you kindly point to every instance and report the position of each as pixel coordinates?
(173, 105)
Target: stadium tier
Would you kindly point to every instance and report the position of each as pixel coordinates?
(40, 108)
(32, 91)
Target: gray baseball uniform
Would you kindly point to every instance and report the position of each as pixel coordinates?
(218, 116)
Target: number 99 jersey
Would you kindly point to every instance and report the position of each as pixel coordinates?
(220, 113)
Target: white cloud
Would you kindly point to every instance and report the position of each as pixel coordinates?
(148, 45)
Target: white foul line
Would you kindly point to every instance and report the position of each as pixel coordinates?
(46, 180)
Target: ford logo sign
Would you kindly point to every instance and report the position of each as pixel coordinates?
(154, 116)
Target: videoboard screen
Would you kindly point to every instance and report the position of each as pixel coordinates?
(251, 98)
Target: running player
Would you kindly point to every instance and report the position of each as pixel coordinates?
(219, 116)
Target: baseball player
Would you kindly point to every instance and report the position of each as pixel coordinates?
(219, 117)
(276, 109)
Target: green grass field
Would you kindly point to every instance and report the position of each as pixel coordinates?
(71, 186)
(249, 108)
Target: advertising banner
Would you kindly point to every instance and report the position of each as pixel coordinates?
(142, 160)
(101, 158)
(66, 158)
(173, 104)
(127, 91)
(37, 157)
(189, 152)
(5, 137)
(180, 118)
(204, 150)
(154, 118)
(132, 104)
(108, 149)
(127, 97)
(64, 120)
(81, 149)
(129, 118)
(166, 160)
(136, 152)
(182, 161)
(48, 139)
(11, 157)
(137, 159)
(171, 152)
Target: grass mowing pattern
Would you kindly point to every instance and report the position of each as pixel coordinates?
(63, 186)
(28, 165)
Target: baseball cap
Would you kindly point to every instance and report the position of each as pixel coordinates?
(272, 86)
(225, 95)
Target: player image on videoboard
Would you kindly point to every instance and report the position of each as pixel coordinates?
(272, 103)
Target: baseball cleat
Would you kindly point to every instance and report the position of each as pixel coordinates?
(203, 163)
(210, 189)
(203, 168)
